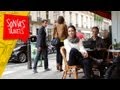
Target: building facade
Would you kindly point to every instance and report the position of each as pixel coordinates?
(82, 20)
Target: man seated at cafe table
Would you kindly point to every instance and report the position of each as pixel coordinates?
(98, 45)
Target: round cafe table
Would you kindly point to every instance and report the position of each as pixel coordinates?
(115, 52)
(88, 49)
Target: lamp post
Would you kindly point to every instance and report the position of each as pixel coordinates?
(29, 54)
(29, 66)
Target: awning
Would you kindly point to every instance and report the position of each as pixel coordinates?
(105, 14)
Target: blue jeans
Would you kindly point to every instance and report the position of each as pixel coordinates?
(43, 52)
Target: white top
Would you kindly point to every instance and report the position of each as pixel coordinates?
(68, 45)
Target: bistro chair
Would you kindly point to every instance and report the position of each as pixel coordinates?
(68, 70)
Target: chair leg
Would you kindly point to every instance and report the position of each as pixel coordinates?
(76, 74)
(64, 75)
(70, 74)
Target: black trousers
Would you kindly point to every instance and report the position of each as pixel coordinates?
(58, 55)
(44, 53)
(76, 58)
(101, 66)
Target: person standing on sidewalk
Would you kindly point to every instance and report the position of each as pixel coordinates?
(42, 47)
(60, 31)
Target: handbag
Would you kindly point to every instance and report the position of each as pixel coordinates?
(55, 41)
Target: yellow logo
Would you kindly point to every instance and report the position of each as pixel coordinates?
(7, 46)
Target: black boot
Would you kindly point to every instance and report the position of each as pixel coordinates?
(58, 67)
(61, 68)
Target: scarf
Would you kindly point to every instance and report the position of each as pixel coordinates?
(73, 40)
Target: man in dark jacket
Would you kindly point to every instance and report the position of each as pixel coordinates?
(113, 72)
(98, 45)
(42, 47)
(107, 39)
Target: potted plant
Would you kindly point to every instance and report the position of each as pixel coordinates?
(116, 45)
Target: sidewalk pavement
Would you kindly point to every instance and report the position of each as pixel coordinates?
(22, 72)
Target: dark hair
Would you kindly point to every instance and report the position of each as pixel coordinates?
(44, 20)
(95, 28)
(71, 26)
(60, 20)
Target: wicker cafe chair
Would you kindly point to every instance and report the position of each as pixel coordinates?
(68, 70)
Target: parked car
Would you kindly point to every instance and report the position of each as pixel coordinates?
(19, 53)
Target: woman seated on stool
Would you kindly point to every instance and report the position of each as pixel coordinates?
(75, 52)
